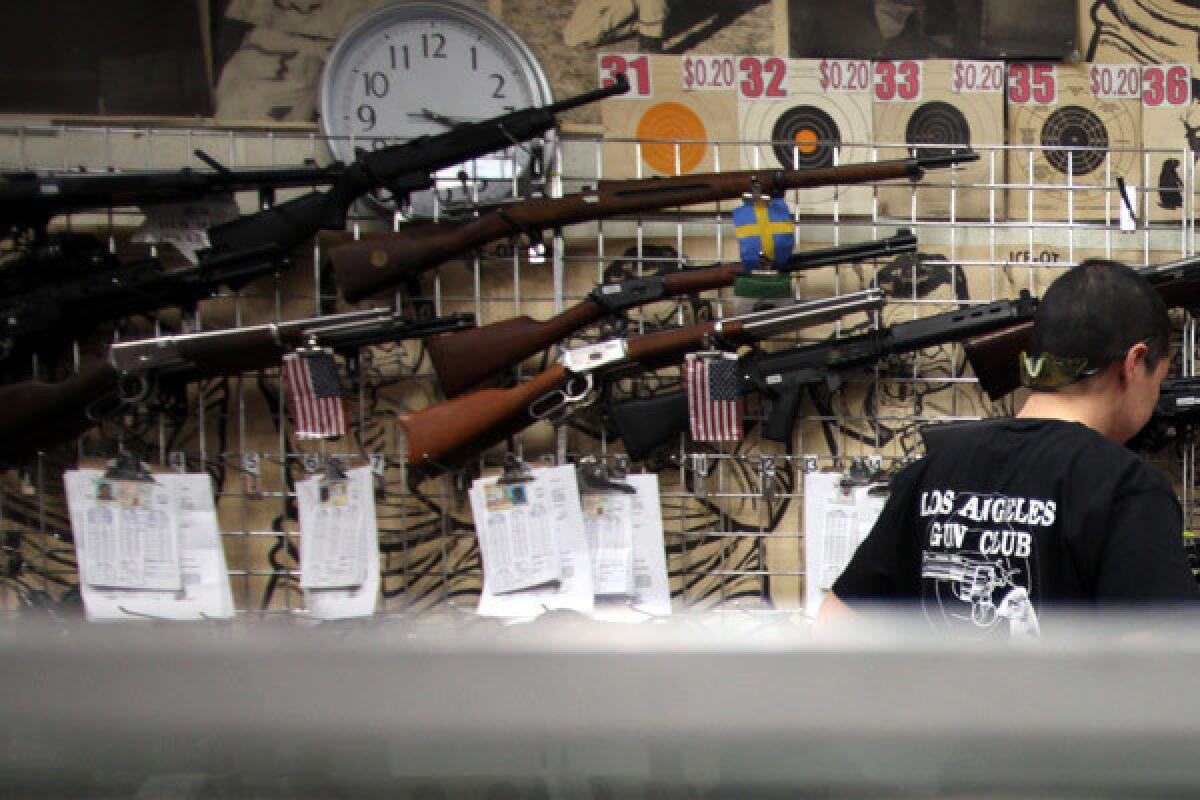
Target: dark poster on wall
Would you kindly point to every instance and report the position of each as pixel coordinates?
(115, 57)
(1014, 29)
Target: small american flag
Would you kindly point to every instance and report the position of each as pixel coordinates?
(715, 407)
(315, 394)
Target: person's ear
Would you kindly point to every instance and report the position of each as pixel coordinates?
(1136, 353)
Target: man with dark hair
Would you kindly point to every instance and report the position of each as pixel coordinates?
(1005, 517)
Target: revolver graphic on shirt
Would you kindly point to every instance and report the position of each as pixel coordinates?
(973, 581)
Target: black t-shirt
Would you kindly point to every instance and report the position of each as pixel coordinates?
(1005, 516)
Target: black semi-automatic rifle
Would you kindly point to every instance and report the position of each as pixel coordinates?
(1176, 415)
(29, 200)
(995, 357)
(400, 169)
(366, 267)
(465, 359)
(35, 415)
(646, 423)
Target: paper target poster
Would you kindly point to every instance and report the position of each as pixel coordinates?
(679, 117)
(1171, 136)
(819, 116)
(937, 106)
(1077, 127)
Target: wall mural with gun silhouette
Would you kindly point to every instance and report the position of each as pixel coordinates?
(717, 92)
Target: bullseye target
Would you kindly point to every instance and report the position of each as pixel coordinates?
(671, 131)
(938, 122)
(809, 128)
(805, 137)
(1066, 155)
(1075, 126)
(943, 116)
(672, 135)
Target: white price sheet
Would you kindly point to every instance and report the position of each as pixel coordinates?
(351, 550)
(651, 592)
(836, 520)
(164, 561)
(549, 505)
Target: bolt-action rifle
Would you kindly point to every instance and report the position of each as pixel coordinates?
(646, 423)
(370, 266)
(995, 357)
(465, 359)
(38, 414)
(448, 433)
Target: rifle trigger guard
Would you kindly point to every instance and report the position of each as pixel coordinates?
(578, 393)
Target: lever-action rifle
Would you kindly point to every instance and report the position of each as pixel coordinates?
(366, 267)
(646, 423)
(448, 433)
(401, 169)
(28, 200)
(465, 359)
(995, 357)
(38, 414)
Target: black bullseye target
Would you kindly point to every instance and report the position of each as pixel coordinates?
(938, 122)
(805, 137)
(1075, 126)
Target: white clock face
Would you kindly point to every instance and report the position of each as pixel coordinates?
(419, 68)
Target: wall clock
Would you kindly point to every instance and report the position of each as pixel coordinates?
(419, 67)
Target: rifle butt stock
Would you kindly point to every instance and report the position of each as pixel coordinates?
(38, 415)
(646, 424)
(380, 263)
(463, 360)
(995, 358)
(447, 434)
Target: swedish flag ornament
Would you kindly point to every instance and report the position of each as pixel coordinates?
(765, 232)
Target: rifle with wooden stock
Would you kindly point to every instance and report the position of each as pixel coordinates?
(38, 414)
(995, 357)
(463, 360)
(370, 266)
(447, 434)
(646, 423)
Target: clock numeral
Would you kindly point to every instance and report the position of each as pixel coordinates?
(439, 48)
(375, 84)
(499, 79)
(366, 115)
(403, 52)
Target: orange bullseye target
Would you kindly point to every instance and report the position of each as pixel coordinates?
(683, 132)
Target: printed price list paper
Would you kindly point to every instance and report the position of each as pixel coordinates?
(354, 550)
(651, 595)
(608, 520)
(554, 491)
(332, 551)
(190, 527)
(128, 537)
(836, 520)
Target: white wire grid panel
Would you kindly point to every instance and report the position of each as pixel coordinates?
(732, 512)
